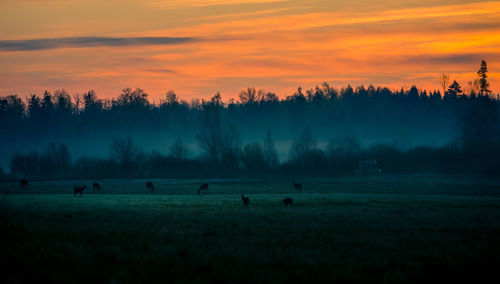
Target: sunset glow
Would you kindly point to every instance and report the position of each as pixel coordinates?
(198, 48)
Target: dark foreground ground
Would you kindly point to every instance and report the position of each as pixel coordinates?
(385, 229)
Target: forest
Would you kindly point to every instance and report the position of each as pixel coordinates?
(322, 131)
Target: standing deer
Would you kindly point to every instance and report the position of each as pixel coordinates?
(96, 186)
(246, 200)
(203, 188)
(288, 201)
(23, 183)
(149, 185)
(298, 186)
(79, 189)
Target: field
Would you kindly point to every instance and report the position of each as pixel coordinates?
(387, 229)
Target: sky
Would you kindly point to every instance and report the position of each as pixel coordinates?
(198, 48)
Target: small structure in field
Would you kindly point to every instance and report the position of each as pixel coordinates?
(367, 168)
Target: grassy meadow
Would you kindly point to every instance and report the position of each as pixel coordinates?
(386, 229)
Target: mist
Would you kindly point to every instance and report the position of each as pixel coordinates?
(88, 124)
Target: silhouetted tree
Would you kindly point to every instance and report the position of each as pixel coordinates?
(249, 96)
(124, 153)
(63, 102)
(133, 98)
(11, 107)
(480, 126)
(268, 97)
(413, 93)
(25, 165)
(347, 92)
(171, 98)
(303, 145)
(34, 106)
(178, 150)
(454, 90)
(211, 136)
(344, 153)
(253, 158)
(91, 103)
(2, 174)
(444, 80)
(47, 104)
(269, 152)
(483, 82)
(231, 148)
(62, 157)
(298, 97)
(329, 92)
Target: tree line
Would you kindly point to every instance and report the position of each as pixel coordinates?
(217, 126)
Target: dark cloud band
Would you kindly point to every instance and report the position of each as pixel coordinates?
(41, 44)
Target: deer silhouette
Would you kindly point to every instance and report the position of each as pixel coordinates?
(23, 183)
(96, 186)
(79, 189)
(203, 188)
(298, 186)
(246, 200)
(288, 201)
(149, 185)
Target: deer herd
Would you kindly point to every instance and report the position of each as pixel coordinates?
(78, 190)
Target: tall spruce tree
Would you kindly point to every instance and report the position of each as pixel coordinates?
(483, 83)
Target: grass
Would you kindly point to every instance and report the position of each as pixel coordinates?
(382, 229)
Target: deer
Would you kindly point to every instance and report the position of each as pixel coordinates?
(298, 186)
(79, 189)
(246, 200)
(23, 183)
(149, 185)
(96, 186)
(203, 188)
(288, 201)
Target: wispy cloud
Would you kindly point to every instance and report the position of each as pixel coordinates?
(204, 3)
(160, 70)
(330, 19)
(51, 43)
(217, 45)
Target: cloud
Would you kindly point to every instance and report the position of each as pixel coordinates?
(52, 43)
(452, 58)
(160, 70)
(197, 3)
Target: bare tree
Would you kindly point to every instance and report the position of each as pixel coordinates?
(211, 136)
(124, 152)
(344, 152)
(211, 140)
(171, 98)
(304, 145)
(444, 80)
(232, 140)
(64, 159)
(178, 151)
(344, 148)
(231, 149)
(77, 99)
(269, 151)
(249, 96)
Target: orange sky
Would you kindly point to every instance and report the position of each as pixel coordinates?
(228, 45)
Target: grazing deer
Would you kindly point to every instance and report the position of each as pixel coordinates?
(96, 186)
(23, 183)
(288, 201)
(79, 189)
(298, 186)
(203, 187)
(149, 185)
(246, 200)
